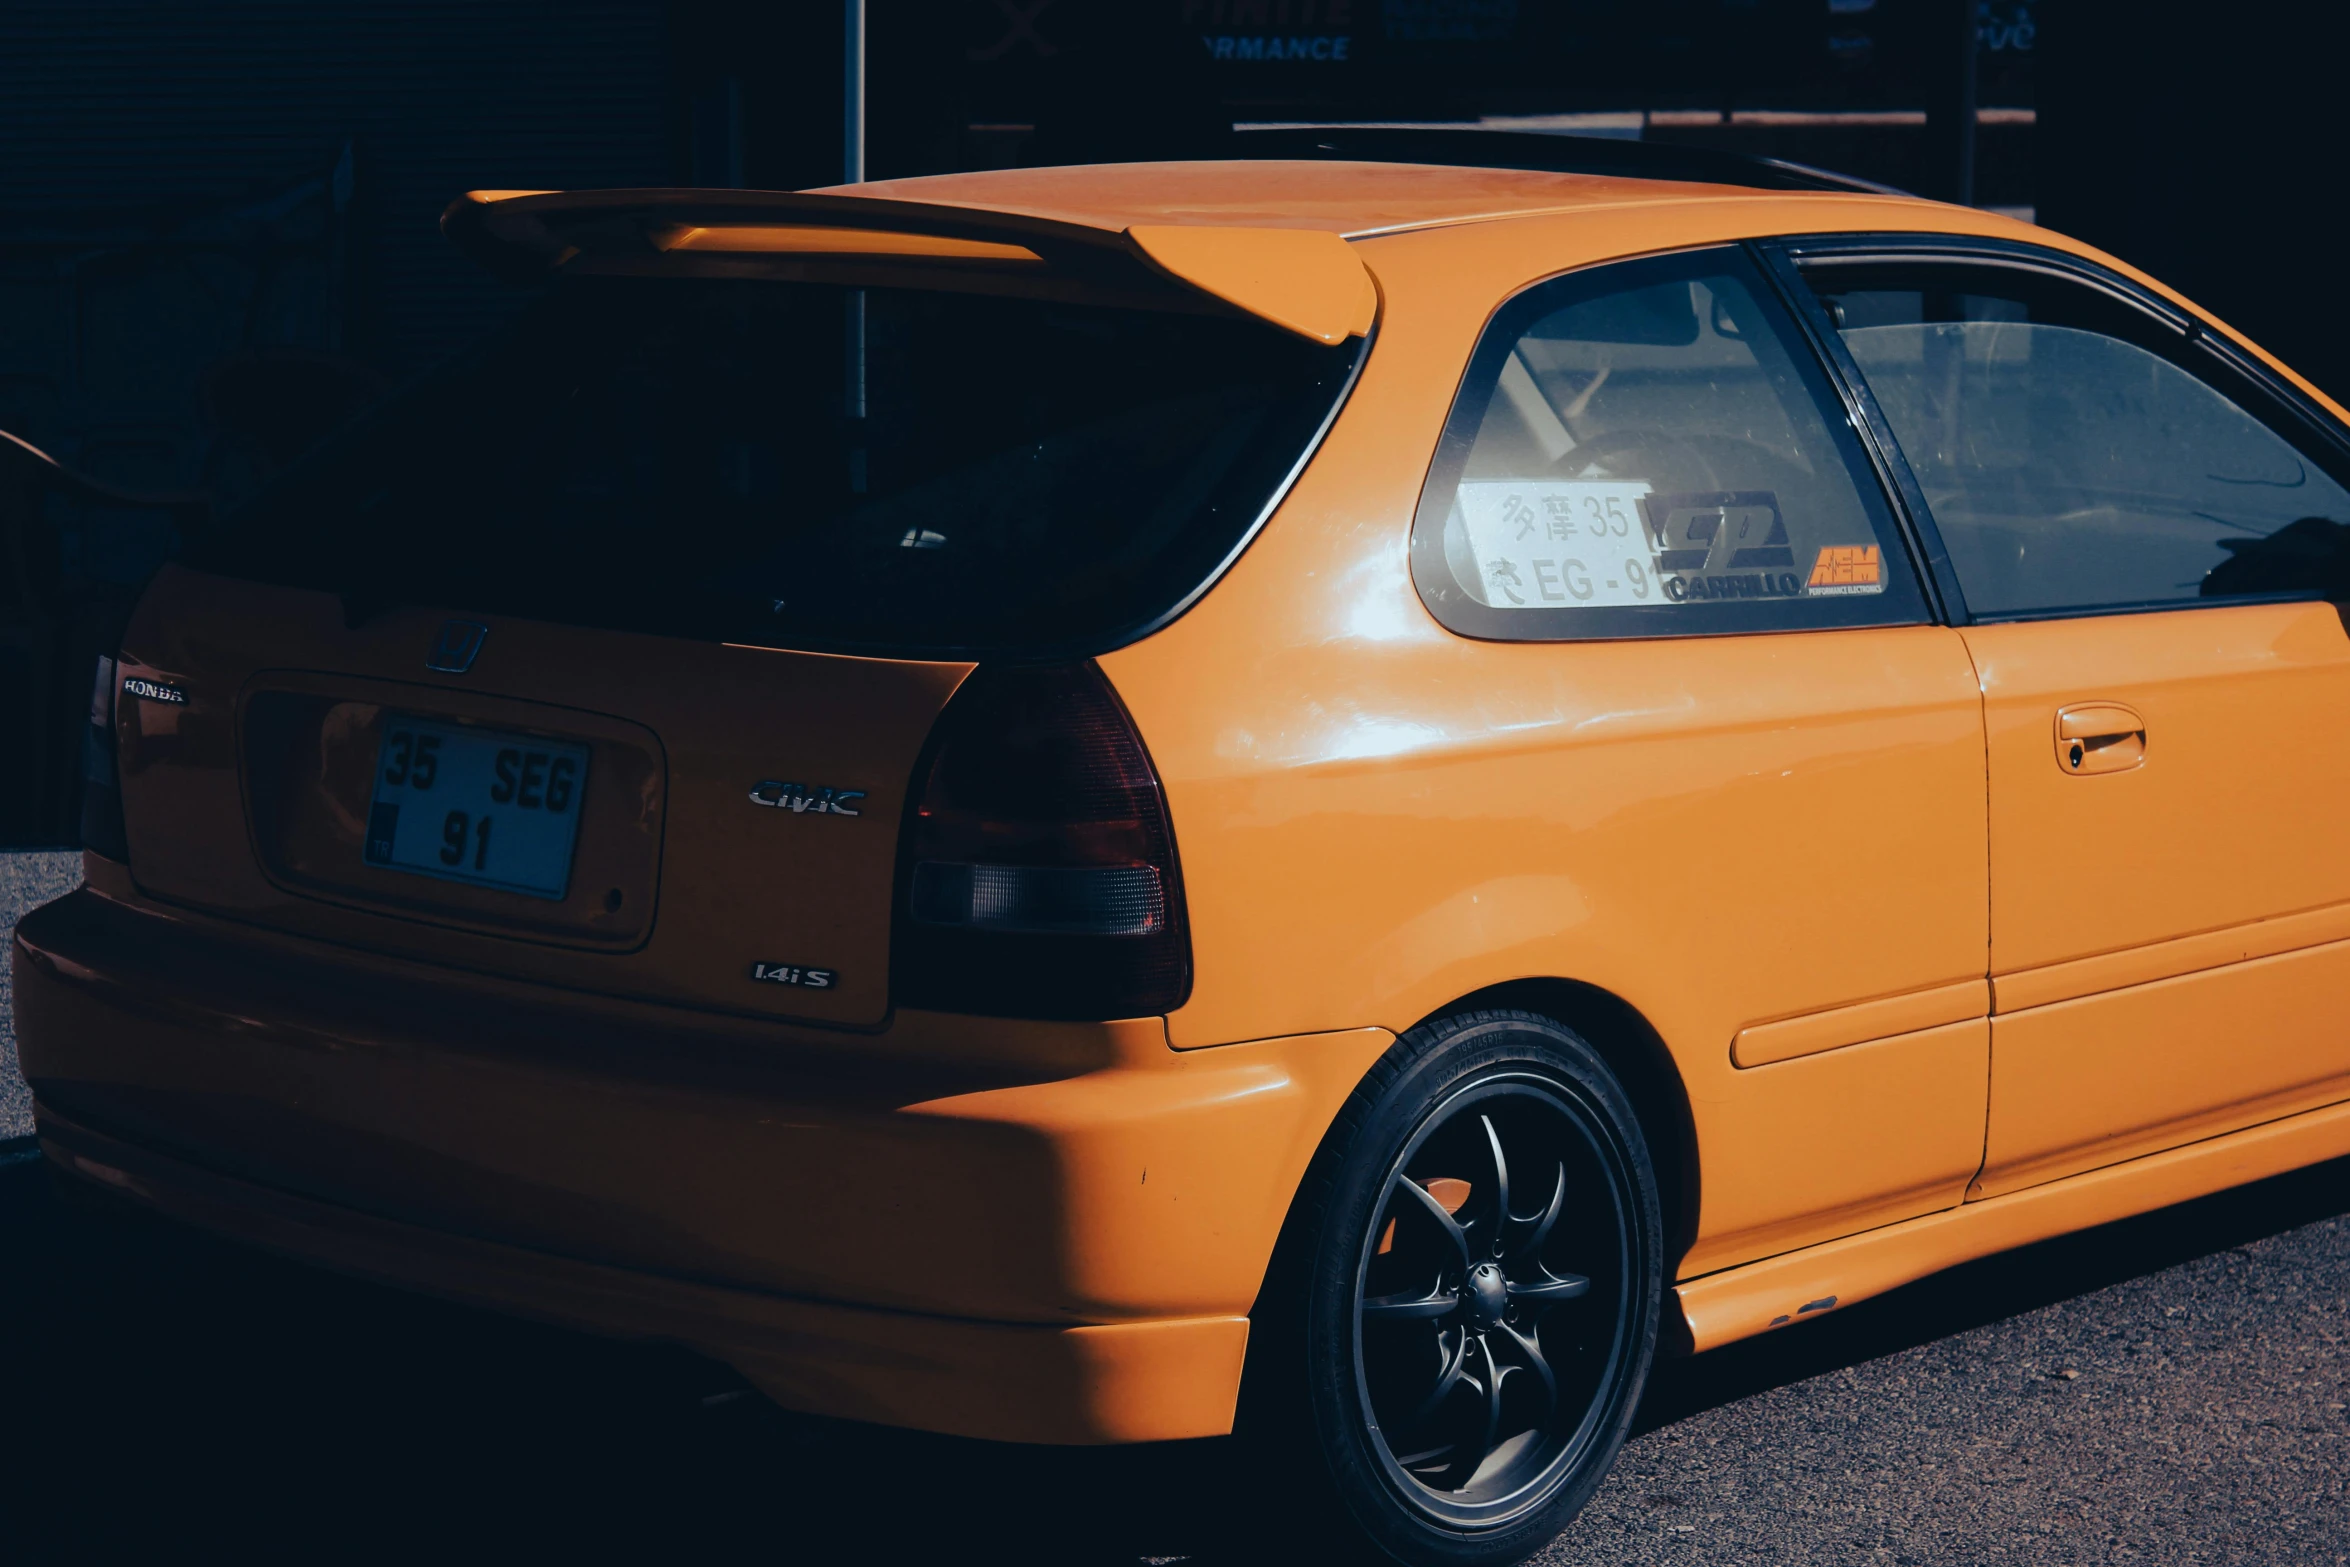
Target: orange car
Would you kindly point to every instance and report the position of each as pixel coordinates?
(1080, 805)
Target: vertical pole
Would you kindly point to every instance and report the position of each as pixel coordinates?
(853, 94)
(1950, 101)
(853, 173)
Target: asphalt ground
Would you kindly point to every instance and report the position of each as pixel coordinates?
(26, 881)
(2166, 1389)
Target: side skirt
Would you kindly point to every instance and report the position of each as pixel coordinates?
(1740, 1302)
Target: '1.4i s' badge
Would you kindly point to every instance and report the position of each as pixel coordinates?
(794, 974)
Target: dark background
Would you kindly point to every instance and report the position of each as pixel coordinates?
(218, 221)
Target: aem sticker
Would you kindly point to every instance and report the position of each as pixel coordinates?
(794, 974)
(1845, 569)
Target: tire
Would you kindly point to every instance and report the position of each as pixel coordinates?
(1463, 1306)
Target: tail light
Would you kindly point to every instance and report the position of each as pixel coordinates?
(1037, 876)
(102, 829)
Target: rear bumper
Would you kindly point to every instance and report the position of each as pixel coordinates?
(1035, 1232)
(1121, 1382)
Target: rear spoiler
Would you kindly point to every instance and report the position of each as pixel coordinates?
(1307, 281)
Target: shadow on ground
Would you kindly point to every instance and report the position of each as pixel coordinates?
(170, 1387)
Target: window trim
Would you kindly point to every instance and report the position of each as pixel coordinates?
(1432, 577)
(1945, 598)
(1090, 647)
(1789, 256)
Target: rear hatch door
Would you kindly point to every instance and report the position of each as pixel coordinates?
(606, 656)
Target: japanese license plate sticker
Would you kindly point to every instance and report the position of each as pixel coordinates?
(1559, 543)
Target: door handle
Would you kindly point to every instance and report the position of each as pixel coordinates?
(2099, 737)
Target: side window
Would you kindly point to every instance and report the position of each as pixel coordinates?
(1649, 449)
(2078, 454)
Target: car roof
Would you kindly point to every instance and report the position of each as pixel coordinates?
(1358, 199)
(1351, 199)
(1328, 195)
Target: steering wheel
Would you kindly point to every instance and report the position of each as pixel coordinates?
(1665, 460)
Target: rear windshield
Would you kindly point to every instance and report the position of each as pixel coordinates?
(688, 458)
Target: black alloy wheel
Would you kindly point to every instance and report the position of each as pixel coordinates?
(1467, 1301)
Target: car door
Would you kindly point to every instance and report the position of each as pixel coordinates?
(2139, 536)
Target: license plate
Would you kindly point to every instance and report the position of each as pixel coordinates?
(476, 805)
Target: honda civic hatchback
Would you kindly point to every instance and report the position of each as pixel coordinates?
(1323, 799)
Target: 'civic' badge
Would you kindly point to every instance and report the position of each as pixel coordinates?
(806, 799)
(454, 650)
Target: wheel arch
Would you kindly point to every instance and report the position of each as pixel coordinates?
(1636, 1053)
(1634, 1050)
